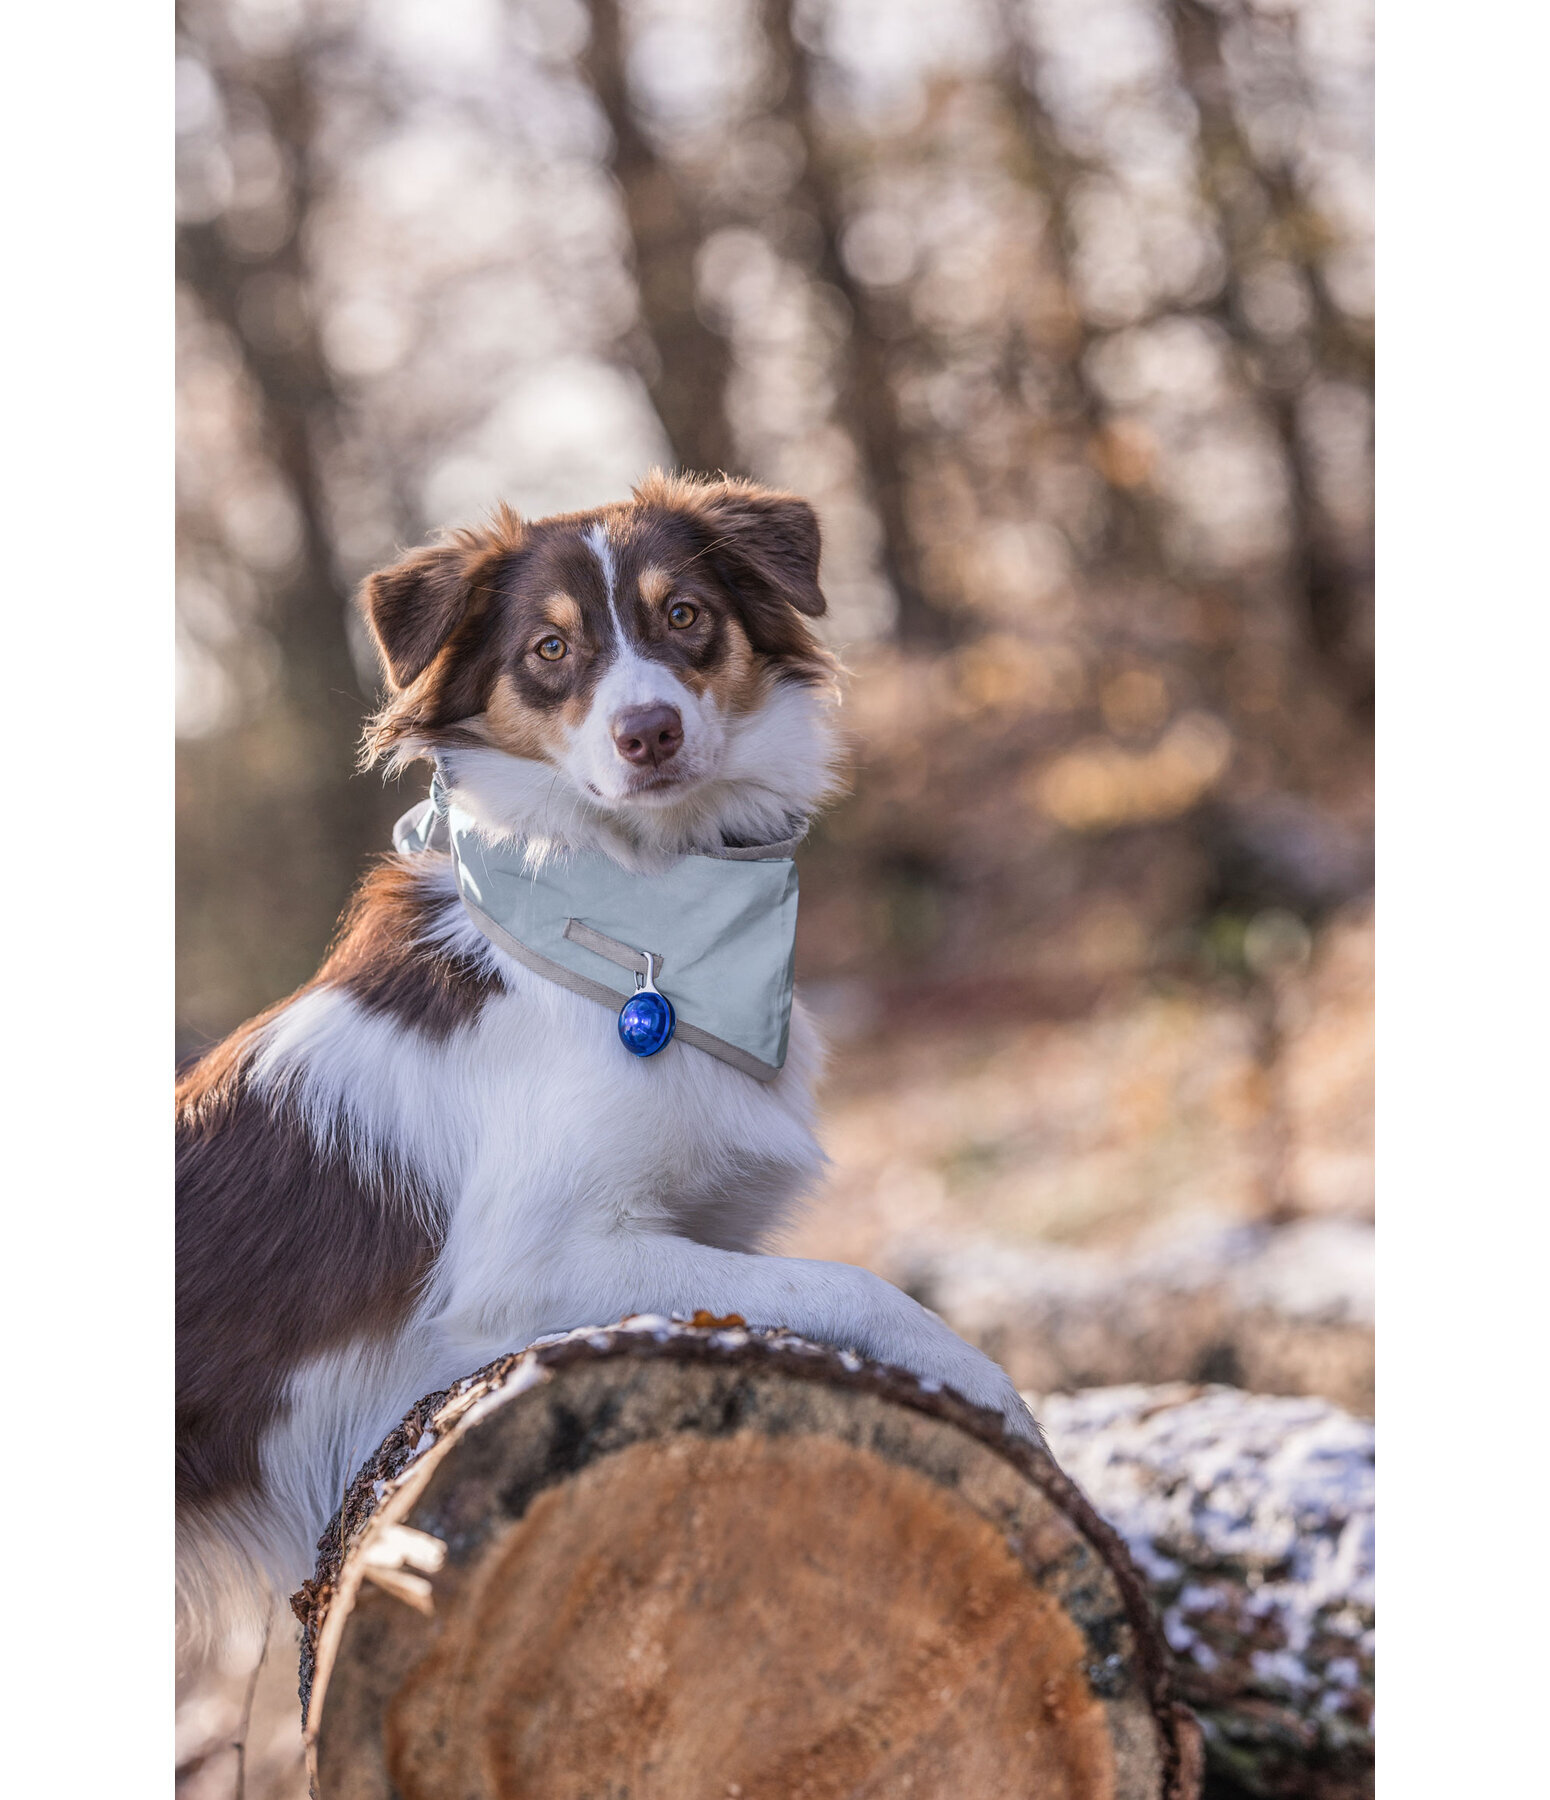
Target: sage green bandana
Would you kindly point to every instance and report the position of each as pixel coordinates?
(720, 927)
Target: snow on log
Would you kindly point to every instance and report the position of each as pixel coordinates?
(697, 1561)
(1251, 1517)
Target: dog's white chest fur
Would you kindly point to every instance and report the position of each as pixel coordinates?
(534, 1122)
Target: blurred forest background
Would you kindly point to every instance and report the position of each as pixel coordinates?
(1060, 312)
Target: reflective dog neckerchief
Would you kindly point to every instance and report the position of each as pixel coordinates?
(701, 953)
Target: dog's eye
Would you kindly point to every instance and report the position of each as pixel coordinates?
(551, 649)
(681, 615)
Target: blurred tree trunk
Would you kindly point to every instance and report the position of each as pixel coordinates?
(686, 364)
(1054, 171)
(1260, 216)
(309, 826)
(868, 404)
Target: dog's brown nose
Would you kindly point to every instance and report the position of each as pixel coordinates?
(649, 734)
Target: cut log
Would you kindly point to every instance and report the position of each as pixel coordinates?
(1283, 1309)
(661, 1561)
(1251, 1517)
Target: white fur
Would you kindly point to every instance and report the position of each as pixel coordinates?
(571, 1182)
(596, 540)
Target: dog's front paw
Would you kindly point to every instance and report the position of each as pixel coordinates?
(969, 1372)
(999, 1395)
(1018, 1420)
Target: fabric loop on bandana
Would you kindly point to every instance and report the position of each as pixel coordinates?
(622, 954)
(721, 922)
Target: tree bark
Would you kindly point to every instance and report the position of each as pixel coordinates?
(868, 404)
(1259, 211)
(697, 1561)
(1130, 539)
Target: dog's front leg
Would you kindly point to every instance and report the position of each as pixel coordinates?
(632, 1270)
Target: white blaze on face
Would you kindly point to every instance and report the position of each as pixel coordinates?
(630, 681)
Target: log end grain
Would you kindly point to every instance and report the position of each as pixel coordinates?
(702, 1562)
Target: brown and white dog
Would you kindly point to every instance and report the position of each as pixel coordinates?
(430, 1155)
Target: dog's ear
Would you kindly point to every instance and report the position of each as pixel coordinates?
(414, 608)
(770, 540)
(765, 543)
(435, 618)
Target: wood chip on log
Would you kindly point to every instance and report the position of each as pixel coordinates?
(669, 1560)
(1251, 1517)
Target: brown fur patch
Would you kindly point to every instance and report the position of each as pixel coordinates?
(512, 725)
(742, 682)
(565, 615)
(655, 585)
(284, 1250)
(383, 958)
(283, 1253)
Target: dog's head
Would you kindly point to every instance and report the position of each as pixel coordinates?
(642, 674)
